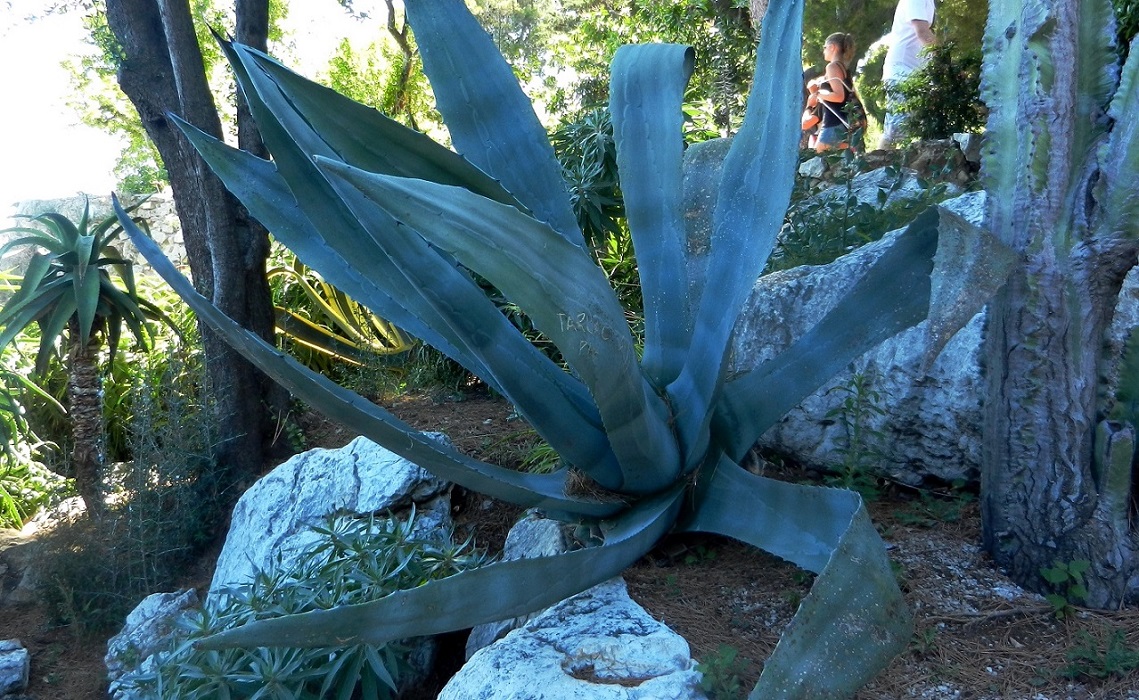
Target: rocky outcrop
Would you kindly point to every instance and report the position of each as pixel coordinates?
(270, 524)
(597, 645)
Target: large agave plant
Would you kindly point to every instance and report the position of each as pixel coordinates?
(396, 220)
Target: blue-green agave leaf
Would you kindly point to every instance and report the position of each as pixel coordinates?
(557, 405)
(441, 304)
(755, 189)
(561, 289)
(491, 121)
(494, 592)
(645, 96)
(366, 139)
(17, 316)
(268, 198)
(354, 412)
(854, 620)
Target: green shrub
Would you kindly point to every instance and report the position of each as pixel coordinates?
(166, 506)
(358, 559)
(943, 97)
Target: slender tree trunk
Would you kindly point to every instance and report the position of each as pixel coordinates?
(162, 71)
(85, 408)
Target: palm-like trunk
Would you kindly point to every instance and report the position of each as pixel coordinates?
(86, 409)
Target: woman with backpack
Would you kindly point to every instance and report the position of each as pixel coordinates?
(834, 91)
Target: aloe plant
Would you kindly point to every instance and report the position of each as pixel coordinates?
(653, 442)
(68, 290)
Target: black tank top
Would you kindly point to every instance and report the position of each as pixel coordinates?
(832, 111)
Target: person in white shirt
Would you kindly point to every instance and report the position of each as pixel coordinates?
(910, 34)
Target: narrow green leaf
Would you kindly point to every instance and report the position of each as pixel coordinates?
(52, 324)
(854, 621)
(462, 600)
(356, 413)
(86, 285)
(560, 288)
(494, 126)
(645, 96)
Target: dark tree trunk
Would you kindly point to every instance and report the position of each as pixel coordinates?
(85, 408)
(162, 71)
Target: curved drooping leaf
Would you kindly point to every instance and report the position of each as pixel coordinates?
(353, 411)
(854, 620)
(267, 196)
(494, 592)
(563, 292)
(645, 98)
(490, 119)
(755, 189)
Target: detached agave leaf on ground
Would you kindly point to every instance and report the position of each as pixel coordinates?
(659, 438)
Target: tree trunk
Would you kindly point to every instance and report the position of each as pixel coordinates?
(1056, 475)
(85, 408)
(161, 71)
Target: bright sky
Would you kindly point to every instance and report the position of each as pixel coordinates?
(44, 152)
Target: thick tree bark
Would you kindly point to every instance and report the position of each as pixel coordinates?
(162, 71)
(85, 408)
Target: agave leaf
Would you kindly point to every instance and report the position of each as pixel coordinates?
(494, 126)
(755, 189)
(36, 238)
(854, 620)
(941, 268)
(356, 413)
(494, 592)
(645, 96)
(268, 198)
(365, 138)
(572, 426)
(460, 321)
(560, 288)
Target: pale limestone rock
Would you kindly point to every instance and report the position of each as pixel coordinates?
(597, 645)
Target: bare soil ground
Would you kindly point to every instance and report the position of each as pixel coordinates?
(977, 635)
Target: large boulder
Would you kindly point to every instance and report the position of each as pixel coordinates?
(925, 423)
(271, 522)
(597, 645)
(15, 667)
